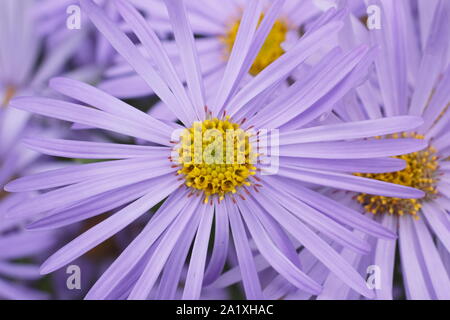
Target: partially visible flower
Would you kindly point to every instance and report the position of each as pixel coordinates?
(23, 71)
(412, 78)
(238, 195)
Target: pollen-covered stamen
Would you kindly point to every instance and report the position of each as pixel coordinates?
(271, 49)
(9, 94)
(216, 158)
(421, 172)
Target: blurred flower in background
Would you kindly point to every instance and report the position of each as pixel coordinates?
(216, 23)
(20, 257)
(237, 197)
(61, 20)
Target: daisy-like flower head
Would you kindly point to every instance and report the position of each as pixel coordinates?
(216, 23)
(264, 194)
(420, 85)
(412, 78)
(288, 24)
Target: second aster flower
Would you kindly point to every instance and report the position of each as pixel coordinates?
(280, 212)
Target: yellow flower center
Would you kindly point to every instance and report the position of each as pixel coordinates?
(271, 49)
(420, 173)
(216, 157)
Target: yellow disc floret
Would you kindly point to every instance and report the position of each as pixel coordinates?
(271, 49)
(420, 173)
(216, 157)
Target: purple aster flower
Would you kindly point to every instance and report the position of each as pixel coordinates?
(216, 23)
(22, 72)
(275, 215)
(412, 78)
(15, 244)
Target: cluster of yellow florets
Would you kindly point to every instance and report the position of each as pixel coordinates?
(420, 173)
(216, 157)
